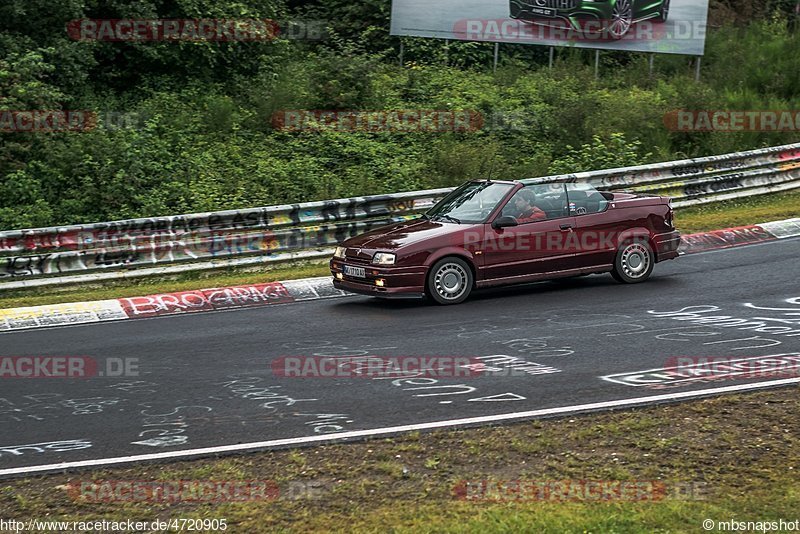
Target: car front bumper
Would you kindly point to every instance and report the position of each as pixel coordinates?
(398, 282)
(575, 12)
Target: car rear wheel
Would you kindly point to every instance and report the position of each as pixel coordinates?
(634, 263)
(663, 13)
(621, 19)
(450, 281)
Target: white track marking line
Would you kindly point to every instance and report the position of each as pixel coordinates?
(209, 451)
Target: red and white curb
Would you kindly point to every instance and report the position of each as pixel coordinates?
(201, 300)
(205, 300)
(737, 237)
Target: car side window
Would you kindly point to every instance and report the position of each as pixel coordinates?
(537, 203)
(584, 199)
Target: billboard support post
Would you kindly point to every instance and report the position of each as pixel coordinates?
(652, 63)
(402, 52)
(446, 52)
(697, 71)
(496, 56)
(552, 56)
(596, 64)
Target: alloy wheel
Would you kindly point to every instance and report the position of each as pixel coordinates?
(635, 261)
(621, 19)
(451, 281)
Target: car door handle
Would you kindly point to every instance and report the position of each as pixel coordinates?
(566, 227)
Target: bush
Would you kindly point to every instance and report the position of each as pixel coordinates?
(208, 144)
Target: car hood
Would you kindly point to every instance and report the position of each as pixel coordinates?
(397, 235)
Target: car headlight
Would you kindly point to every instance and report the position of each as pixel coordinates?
(339, 253)
(383, 258)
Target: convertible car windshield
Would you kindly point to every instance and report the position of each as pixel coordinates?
(472, 203)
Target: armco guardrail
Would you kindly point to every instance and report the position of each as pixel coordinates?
(264, 234)
(208, 240)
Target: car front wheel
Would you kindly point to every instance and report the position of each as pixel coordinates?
(621, 19)
(634, 263)
(450, 281)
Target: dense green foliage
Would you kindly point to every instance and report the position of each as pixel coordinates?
(198, 134)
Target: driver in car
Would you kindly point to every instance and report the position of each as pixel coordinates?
(525, 204)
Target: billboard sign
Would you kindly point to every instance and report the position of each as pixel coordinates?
(656, 26)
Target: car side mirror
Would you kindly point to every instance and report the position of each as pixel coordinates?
(504, 222)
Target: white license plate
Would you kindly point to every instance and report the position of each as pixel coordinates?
(357, 272)
(543, 12)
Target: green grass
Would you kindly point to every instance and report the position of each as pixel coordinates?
(740, 453)
(689, 220)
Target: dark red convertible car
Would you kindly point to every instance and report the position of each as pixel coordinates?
(490, 233)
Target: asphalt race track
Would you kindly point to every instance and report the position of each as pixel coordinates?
(205, 382)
